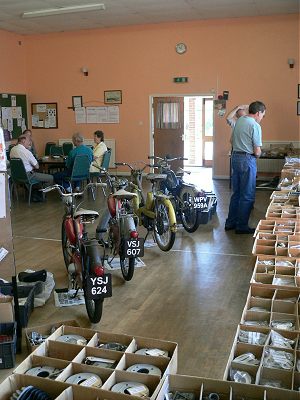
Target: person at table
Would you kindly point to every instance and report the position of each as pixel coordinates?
(21, 150)
(98, 151)
(32, 148)
(79, 149)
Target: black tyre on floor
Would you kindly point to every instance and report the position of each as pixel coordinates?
(190, 216)
(127, 267)
(67, 248)
(93, 307)
(164, 237)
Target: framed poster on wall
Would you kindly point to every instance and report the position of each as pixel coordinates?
(44, 116)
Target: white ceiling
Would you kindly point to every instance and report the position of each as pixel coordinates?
(132, 12)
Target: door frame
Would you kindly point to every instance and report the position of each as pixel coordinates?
(151, 120)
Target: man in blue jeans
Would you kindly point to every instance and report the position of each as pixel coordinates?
(246, 143)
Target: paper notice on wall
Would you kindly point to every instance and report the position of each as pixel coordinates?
(10, 124)
(92, 115)
(23, 126)
(41, 124)
(2, 196)
(6, 112)
(13, 100)
(113, 115)
(41, 108)
(51, 121)
(16, 112)
(2, 151)
(80, 115)
(35, 120)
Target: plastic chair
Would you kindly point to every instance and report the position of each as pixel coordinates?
(67, 147)
(104, 165)
(48, 146)
(56, 151)
(81, 169)
(8, 151)
(19, 176)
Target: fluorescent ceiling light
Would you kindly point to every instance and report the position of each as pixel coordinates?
(63, 10)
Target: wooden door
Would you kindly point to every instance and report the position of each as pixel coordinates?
(168, 118)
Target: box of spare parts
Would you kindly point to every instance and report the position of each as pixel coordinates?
(8, 340)
(6, 308)
(36, 335)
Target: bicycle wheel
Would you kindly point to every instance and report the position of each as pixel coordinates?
(190, 216)
(164, 237)
(67, 248)
(127, 267)
(93, 307)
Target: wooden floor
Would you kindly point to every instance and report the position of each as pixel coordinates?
(193, 295)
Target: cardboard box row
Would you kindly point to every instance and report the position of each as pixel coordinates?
(280, 244)
(6, 309)
(272, 307)
(277, 271)
(287, 227)
(258, 341)
(282, 212)
(177, 386)
(69, 359)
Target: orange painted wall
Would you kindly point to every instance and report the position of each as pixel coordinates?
(247, 56)
(12, 64)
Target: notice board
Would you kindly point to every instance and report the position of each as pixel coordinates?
(13, 114)
(44, 116)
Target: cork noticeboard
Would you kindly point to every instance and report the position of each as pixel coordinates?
(44, 116)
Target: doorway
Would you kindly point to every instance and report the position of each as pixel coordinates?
(182, 126)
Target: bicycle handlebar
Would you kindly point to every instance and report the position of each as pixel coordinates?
(166, 158)
(133, 167)
(61, 190)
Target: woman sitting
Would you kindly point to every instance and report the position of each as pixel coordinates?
(98, 151)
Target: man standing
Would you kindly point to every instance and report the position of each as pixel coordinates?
(246, 143)
(21, 150)
(79, 149)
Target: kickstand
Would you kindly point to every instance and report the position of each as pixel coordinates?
(74, 295)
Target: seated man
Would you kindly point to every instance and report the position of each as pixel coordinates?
(21, 150)
(79, 149)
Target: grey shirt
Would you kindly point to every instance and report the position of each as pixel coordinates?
(246, 135)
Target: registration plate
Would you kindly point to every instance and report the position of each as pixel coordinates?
(134, 247)
(200, 202)
(99, 287)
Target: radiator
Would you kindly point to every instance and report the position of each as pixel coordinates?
(110, 143)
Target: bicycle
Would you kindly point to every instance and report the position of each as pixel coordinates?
(117, 228)
(190, 203)
(82, 256)
(155, 211)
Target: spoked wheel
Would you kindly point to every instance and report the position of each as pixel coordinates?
(93, 307)
(164, 237)
(127, 267)
(67, 248)
(190, 216)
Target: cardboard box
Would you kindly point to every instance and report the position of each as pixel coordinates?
(152, 382)
(35, 361)
(16, 382)
(108, 337)
(60, 350)
(88, 351)
(45, 330)
(6, 309)
(73, 330)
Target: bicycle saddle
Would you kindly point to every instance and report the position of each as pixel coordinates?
(87, 213)
(123, 194)
(156, 177)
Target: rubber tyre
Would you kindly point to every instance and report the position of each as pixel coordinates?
(94, 308)
(190, 217)
(66, 246)
(164, 237)
(127, 267)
